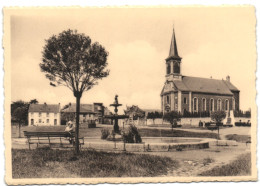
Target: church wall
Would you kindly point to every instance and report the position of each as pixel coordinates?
(200, 96)
(185, 105)
(236, 96)
(176, 101)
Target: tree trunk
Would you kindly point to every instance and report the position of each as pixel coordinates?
(19, 135)
(77, 124)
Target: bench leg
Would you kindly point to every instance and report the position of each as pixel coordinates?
(61, 142)
(49, 141)
(28, 140)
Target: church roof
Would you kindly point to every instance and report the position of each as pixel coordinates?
(204, 85)
(173, 48)
(230, 86)
(44, 108)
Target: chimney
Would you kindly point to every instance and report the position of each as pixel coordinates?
(228, 78)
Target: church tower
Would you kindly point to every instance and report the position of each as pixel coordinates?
(173, 61)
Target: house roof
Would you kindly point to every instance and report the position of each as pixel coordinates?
(205, 85)
(84, 108)
(44, 108)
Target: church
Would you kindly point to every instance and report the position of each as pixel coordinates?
(195, 94)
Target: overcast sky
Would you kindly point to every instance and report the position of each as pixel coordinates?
(212, 42)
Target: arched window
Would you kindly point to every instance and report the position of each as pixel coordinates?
(211, 104)
(168, 68)
(226, 105)
(168, 99)
(203, 104)
(195, 104)
(219, 104)
(176, 68)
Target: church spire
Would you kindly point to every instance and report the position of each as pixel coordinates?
(173, 48)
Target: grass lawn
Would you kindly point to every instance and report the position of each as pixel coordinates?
(44, 163)
(83, 130)
(238, 138)
(96, 132)
(239, 167)
(147, 132)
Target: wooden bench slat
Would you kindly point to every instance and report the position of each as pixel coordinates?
(37, 137)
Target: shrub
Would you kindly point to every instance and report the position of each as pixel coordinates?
(131, 135)
(207, 161)
(104, 133)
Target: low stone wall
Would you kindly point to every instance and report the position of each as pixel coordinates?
(147, 146)
(184, 121)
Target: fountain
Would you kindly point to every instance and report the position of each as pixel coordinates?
(115, 116)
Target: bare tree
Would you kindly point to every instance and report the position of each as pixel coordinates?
(71, 60)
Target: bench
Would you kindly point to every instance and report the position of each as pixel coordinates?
(50, 138)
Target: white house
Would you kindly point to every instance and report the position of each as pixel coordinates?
(44, 115)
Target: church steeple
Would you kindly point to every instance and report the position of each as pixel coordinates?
(173, 48)
(173, 61)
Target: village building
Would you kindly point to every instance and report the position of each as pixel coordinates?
(44, 115)
(88, 112)
(195, 94)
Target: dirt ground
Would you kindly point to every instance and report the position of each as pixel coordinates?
(194, 162)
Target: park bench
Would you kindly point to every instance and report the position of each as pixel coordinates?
(50, 138)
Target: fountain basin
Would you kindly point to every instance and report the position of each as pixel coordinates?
(151, 144)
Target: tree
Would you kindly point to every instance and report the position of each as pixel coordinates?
(151, 115)
(71, 60)
(218, 116)
(173, 117)
(34, 101)
(67, 116)
(20, 114)
(17, 104)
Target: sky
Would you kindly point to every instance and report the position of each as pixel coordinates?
(211, 41)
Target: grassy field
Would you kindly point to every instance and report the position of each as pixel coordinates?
(238, 138)
(44, 163)
(83, 130)
(240, 167)
(96, 132)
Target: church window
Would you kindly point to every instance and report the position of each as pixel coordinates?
(168, 68)
(195, 104)
(185, 100)
(176, 68)
(226, 104)
(219, 104)
(168, 99)
(211, 104)
(203, 104)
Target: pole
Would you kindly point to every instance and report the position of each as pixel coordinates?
(77, 122)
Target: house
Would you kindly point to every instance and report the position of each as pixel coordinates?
(195, 94)
(88, 112)
(44, 114)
